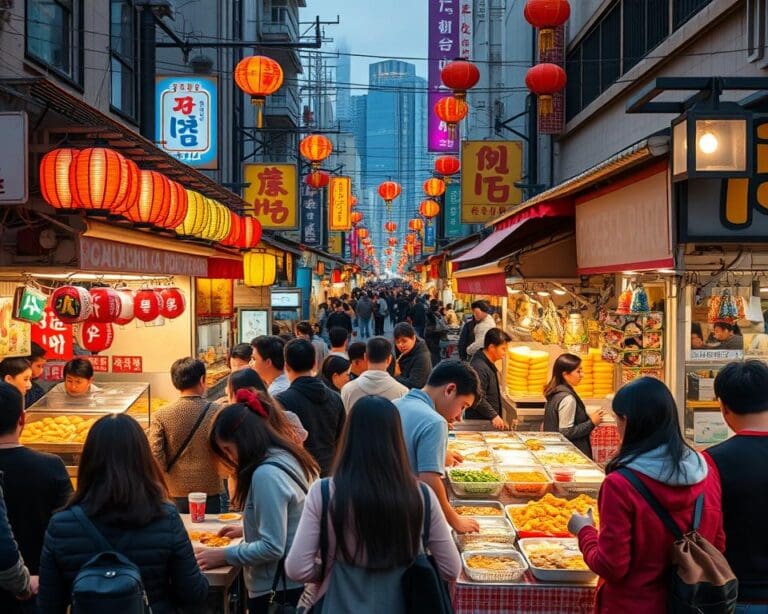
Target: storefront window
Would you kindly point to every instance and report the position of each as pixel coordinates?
(52, 32)
(123, 56)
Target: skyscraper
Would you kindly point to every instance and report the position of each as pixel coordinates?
(344, 112)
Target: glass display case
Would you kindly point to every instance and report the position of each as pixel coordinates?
(213, 339)
(703, 423)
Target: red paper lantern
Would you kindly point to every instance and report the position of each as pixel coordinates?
(429, 208)
(177, 205)
(154, 202)
(71, 304)
(362, 233)
(315, 148)
(99, 179)
(54, 177)
(260, 77)
(353, 201)
(451, 110)
(390, 227)
(105, 305)
(250, 234)
(410, 239)
(235, 228)
(317, 180)
(447, 166)
(173, 303)
(392, 241)
(389, 191)
(460, 76)
(147, 305)
(96, 336)
(547, 16)
(126, 307)
(545, 80)
(416, 224)
(356, 217)
(336, 276)
(434, 187)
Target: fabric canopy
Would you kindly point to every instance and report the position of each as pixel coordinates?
(493, 284)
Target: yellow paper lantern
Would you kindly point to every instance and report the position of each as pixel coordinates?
(197, 217)
(220, 222)
(260, 269)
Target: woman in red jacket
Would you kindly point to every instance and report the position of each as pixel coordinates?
(631, 551)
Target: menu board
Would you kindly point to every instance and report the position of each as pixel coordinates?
(636, 342)
(215, 298)
(15, 336)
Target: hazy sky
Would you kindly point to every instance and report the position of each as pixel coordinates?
(387, 28)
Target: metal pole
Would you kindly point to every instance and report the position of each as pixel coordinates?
(147, 78)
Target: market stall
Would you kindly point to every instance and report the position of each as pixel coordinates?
(521, 488)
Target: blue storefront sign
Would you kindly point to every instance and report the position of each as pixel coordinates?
(429, 238)
(453, 226)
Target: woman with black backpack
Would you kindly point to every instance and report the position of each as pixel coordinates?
(121, 506)
(367, 524)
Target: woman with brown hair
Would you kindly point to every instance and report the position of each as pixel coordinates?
(122, 493)
(565, 412)
(272, 476)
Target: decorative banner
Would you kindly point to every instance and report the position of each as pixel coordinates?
(444, 26)
(127, 364)
(14, 178)
(335, 242)
(429, 239)
(554, 123)
(489, 171)
(311, 219)
(339, 207)
(53, 335)
(466, 25)
(453, 226)
(100, 363)
(271, 195)
(103, 255)
(186, 119)
(29, 304)
(214, 298)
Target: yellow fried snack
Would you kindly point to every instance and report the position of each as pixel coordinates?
(478, 510)
(479, 456)
(493, 563)
(551, 555)
(534, 444)
(215, 541)
(550, 514)
(61, 429)
(526, 476)
(562, 458)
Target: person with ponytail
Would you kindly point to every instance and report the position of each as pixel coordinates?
(272, 475)
(565, 412)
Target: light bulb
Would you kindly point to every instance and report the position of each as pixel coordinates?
(708, 143)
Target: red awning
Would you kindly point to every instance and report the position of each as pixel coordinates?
(223, 268)
(493, 284)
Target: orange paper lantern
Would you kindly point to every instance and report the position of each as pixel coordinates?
(389, 191)
(362, 233)
(390, 227)
(315, 148)
(429, 208)
(546, 80)
(235, 229)
(451, 110)
(392, 241)
(356, 217)
(353, 201)
(260, 77)
(434, 187)
(99, 179)
(250, 234)
(447, 166)
(177, 205)
(410, 239)
(416, 224)
(54, 177)
(153, 204)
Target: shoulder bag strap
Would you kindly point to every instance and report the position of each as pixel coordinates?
(290, 474)
(427, 514)
(325, 491)
(183, 447)
(97, 537)
(661, 512)
(698, 509)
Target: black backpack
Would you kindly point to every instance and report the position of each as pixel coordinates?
(466, 338)
(108, 582)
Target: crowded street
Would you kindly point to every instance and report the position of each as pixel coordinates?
(355, 307)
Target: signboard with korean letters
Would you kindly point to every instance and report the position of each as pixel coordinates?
(489, 172)
(187, 119)
(272, 195)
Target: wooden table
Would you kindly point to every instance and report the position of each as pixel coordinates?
(227, 590)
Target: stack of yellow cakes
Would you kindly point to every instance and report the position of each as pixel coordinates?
(598, 376)
(527, 371)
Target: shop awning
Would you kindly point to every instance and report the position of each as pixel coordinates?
(526, 226)
(487, 279)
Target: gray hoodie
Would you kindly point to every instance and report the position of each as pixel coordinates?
(271, 515)
(376, 383)
(657, 465)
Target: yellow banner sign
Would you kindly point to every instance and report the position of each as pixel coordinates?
(334, 243)
(339, 208)
(272, 195)
(489, 171)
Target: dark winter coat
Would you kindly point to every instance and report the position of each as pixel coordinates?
(161, 550)
(339, 319)
(489, 404)
(321, 411)
(415, 366)
(582, 428)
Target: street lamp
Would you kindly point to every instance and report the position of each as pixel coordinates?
(723, 142)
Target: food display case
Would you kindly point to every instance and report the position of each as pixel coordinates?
(59, 423)
(213, 339)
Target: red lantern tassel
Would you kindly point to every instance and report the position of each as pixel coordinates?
(259, 102)
(546, 40)
(546, 105)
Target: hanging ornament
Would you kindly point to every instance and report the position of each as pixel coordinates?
(173, 303)
(126, 299)
(96, 336)
(147, 305)
(547, 16)
(447, 166)
(260, 77)
(317, 180)
(389, 191)
(71, 304)
(105, 305)
(625, 301)
(451, 110)
(315, 148)
(729, 311)
(546, 80)
(639, 301)
(460, 75)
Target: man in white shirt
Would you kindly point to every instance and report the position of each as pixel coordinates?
(483, 323)
(376, 381)
(269, 362)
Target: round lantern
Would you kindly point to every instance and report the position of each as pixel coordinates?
(105, 305)
(362, 233)
(125, 316)
(99, 179)
(451, 110)
(410, 239)
(389, 191)
(235, 228)
(434, 187)
(317, 180)
(447, 166)
(460, 75)
(353, 201)
(96, 336)
(416, 224)
(250, 234)
(390, 227)
(154, 202)
(260, 77)
(219, 223)
(367, 241)
(177, 205)
(54, 177)
(336, 276)
(128, 199)
(356, 217)
(260, 269)
(320, 269)
(173, 303)
(147, 304)
(71, 304)
(545, 80)
(392, 241)
(429, 208)
(547, 16)
(197, 215)
(315, 148)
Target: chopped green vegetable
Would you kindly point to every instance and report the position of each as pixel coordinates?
(474, 475)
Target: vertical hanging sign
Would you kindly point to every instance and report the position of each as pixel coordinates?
(310, 216)
(429, 238)
(444, 41)
(453, 226)
(339, 208)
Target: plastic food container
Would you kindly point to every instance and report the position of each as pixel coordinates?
(522, 488)
(583, 482)
(569, 545)
(514, 457)
(473, 489)
(490, 505)
(494, 531)
(545, 438)
(483, 575)
(563, 475)
(563, 456)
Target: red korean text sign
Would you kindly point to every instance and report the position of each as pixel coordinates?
(272, 195)
(100, 363)
(127, 364)
(489, 172)
(54, 336)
